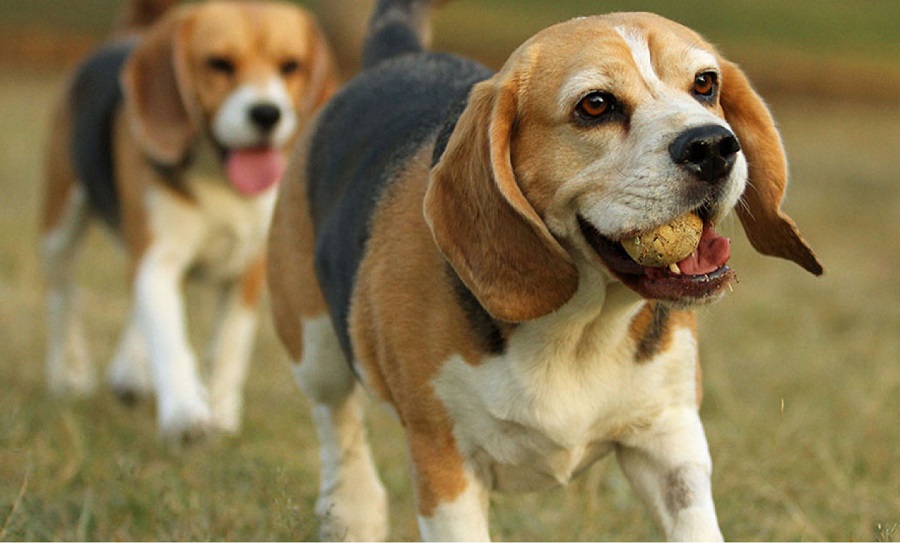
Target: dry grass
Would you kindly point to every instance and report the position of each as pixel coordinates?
(801, 374)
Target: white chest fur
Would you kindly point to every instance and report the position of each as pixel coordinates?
(566, 389)
(219, 230)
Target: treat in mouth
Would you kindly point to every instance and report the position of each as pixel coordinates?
(677, 273)
(666, 244)
(252, 171)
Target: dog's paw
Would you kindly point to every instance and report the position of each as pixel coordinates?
(185, 424)
(356, 512)
(72, 384)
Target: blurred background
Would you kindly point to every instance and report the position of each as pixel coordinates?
(801, 374)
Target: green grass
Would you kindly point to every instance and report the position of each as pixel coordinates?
(801, 378)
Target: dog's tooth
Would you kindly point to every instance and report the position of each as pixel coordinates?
(673, 267)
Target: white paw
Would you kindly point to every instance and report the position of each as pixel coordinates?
(184, 423)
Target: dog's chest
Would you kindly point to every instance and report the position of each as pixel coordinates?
(234, 226)
(550, 406)
(218, 231)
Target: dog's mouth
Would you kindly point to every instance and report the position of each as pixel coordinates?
(702, 275)
(254, 170)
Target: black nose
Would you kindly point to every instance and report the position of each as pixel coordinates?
(265, 115)
(708, 151)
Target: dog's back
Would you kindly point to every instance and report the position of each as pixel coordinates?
(92, 99)
(95, 97)
(404, 96)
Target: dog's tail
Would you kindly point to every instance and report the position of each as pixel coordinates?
(398, 27)
(140, 14)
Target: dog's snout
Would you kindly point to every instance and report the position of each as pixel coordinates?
(265, 115)
(708, 151)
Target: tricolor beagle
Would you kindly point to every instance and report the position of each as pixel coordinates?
(176, 140)
(452, 233)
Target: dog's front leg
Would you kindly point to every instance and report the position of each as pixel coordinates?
(452, 500)
(232, 346)
(182, 409)
(670, 467)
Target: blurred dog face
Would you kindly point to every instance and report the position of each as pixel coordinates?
(602, 128)
(243, 73)
(625, 131)
(602, 122)
(248, 69)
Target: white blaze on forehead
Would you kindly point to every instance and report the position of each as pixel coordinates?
(698, 59)
(640, 51)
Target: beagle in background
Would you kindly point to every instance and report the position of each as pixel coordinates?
(176, 140)
(448, 237)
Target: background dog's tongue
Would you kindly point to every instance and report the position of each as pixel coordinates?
(252, 171)
(712, 253)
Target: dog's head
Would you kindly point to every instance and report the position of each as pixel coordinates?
(245, 74)
(595, 130)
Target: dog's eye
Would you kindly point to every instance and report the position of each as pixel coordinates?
(596, 105)
(705, 84)
(289, 67)
(221, 64)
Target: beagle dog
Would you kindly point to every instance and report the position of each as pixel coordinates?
(448, 237)
(176, 139)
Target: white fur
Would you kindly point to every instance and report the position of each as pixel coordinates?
(232, 126)
(352, 503)
(68, 365)
(221, 233)
(463, 519)
(635, 185)
(566, 392)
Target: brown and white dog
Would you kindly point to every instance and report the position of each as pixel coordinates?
(176, 139)
(456, 250)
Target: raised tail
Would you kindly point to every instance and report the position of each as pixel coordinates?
(397, 27)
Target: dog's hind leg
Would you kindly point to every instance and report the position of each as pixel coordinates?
(352, 503)
(65, 220)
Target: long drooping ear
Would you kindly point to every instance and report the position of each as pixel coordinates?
(156, 88)
(484, 225)
(323, 73)
(771, 231)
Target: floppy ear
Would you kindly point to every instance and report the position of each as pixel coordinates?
(323, 78)
(156, 86)
(484, 225)
(771, 232)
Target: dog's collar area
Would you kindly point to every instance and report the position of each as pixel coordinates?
(703, 274)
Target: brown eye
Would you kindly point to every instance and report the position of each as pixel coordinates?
(595, 105)
(704, 84)
(221, 65)
(289, 67)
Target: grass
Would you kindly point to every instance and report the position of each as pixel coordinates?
(801, 379)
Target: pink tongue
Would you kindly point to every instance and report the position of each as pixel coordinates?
(254, 170)
(712, 253)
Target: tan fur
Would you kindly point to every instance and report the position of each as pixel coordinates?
(498, 210)
(768, 228)
(400, 343)
(291, 275)
(173, 97)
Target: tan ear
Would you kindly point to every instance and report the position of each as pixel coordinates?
(771, 232)
(484, 225)
(324, 79)
(155, 84)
